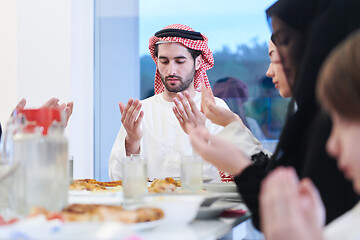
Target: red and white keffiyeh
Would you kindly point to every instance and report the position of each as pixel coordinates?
(207, 59)
(226, 177)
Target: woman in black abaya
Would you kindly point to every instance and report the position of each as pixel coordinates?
(304, 31)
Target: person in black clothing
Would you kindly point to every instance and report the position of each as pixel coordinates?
(290, 207)
(310, 30)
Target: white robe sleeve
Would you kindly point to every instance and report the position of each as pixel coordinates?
(242, 138)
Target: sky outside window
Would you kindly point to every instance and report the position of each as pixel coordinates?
(226, 23)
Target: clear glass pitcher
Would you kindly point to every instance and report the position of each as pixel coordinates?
(37, 152)
(11, 174)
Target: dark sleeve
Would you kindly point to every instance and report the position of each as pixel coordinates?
(331, 28)
(248, 184)
(0, 131)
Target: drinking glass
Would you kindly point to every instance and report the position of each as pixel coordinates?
(4, 184)
(12, 188)
(134, 177)
(71, 168)
(191, 173)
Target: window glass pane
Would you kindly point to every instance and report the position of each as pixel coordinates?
(238, 37)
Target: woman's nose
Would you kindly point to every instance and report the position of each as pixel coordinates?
(270, 71)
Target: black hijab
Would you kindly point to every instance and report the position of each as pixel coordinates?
(324, 24)
(298, 15)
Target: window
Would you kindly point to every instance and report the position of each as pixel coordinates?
(238, 37)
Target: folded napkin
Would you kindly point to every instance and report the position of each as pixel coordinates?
(233, 213)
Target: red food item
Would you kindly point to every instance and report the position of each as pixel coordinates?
(11, 221)
(2, 221)
(55, 215)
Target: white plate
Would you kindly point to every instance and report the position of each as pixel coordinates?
(146, 225)
(132, 226)
(207, 179)
(93, 194)
(87, 197)
(39, 228)
(220, 187)
(215, 209)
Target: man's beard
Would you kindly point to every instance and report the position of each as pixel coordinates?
(184, 84)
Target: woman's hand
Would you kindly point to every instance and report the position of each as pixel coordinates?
(221, 154)
(218, 115)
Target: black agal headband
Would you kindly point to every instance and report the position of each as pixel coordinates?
(172, 32)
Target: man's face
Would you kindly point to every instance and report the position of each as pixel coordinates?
(276, 72)
(290, 44)
(176, 66)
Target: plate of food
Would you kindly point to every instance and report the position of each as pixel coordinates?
(220, 187)
(83, 221)
(93, 185)
(166, 185)
(102, 212)
(83, 187)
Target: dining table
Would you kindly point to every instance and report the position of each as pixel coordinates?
(204, 229)
(219, 219)
(224, 214)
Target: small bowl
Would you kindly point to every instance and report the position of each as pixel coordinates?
(179, 209)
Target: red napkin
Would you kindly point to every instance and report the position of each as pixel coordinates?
(231, 213)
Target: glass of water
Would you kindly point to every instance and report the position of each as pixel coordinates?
(12, 188)
(4, 184)
(134, 177)
(191, 173)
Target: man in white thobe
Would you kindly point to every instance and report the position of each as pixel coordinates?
(156, 126)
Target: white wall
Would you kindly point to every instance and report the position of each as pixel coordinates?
(8, 58)
(46, 50)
